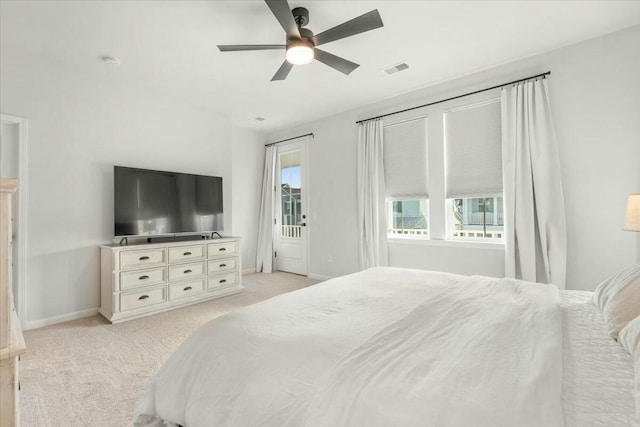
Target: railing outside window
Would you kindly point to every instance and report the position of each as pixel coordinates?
(292, 231)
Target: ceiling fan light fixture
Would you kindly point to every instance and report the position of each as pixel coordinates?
(300, 53)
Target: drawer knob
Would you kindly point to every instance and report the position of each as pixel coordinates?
(222, 249)
(187, 271)
(143, 258)
(188, 288)
(145, 277)
(223, 265)
(143, 297)
(186, 253)
(223, 281)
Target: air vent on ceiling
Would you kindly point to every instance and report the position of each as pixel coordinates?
(395, 68)
(111, 60)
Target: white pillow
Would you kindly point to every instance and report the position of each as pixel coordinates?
(618, 298)
(630, 340)
(630, 337)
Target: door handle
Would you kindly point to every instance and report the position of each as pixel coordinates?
(304, 224)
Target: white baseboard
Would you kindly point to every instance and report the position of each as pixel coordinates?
(319, 276)
(40, 323)
(248, 270)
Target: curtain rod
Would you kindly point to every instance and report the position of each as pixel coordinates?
(289, 139)
(456, 97)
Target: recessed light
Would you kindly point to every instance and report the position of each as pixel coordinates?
(111, 60)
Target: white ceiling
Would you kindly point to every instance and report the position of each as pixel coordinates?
(170, 47)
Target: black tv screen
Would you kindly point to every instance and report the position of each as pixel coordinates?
(154, 203)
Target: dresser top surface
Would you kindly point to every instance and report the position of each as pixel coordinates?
(8, 185)
(144, 245)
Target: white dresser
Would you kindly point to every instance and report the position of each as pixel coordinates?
(11, 339)
(142, 279)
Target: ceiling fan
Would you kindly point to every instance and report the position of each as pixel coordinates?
(301, 43)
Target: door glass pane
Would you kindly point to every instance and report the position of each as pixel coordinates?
(290, 181)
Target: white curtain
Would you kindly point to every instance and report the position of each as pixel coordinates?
(534, 220)
(372, 240)
(264, 255)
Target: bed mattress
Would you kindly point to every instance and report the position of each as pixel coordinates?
(597, 387)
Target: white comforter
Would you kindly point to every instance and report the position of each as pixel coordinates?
(385, 347)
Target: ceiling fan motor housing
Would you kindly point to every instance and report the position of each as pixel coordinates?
(306, 36)
(301, 16)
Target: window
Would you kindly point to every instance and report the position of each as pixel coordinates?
(478, 217)
(444, 181)
(407, 218)
(405, 169)
(290, 178)
(473, 140)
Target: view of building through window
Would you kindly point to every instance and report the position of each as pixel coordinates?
(291, 205)
(408, 217)
(478, 217)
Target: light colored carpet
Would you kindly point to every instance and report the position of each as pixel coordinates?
(90, 373)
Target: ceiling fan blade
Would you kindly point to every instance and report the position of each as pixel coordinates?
(283, 71)
(335, 62)
(238, 47)
(282, 12)
(368, 21)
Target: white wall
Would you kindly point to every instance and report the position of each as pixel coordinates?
(79, 127)
(8, 150)
(595, 94)
(247, 166)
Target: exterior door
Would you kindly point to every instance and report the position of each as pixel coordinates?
(290, 252)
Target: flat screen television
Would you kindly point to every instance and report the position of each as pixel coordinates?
(159, 203)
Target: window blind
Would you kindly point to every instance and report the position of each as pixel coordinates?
(405, 159)
(474, 151)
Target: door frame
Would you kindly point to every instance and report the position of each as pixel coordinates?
(21, 122)
(304, 141)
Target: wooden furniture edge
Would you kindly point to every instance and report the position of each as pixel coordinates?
(17, 346)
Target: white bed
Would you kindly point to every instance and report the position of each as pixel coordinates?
(400, 347)
(597, 371)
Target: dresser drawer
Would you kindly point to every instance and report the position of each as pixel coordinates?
(148, 257)
(186, 289)
(186, 253)
(220, 265)
(133, 300)
(228, 248)
(186, 271)
(138, 279)
(222, 281)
